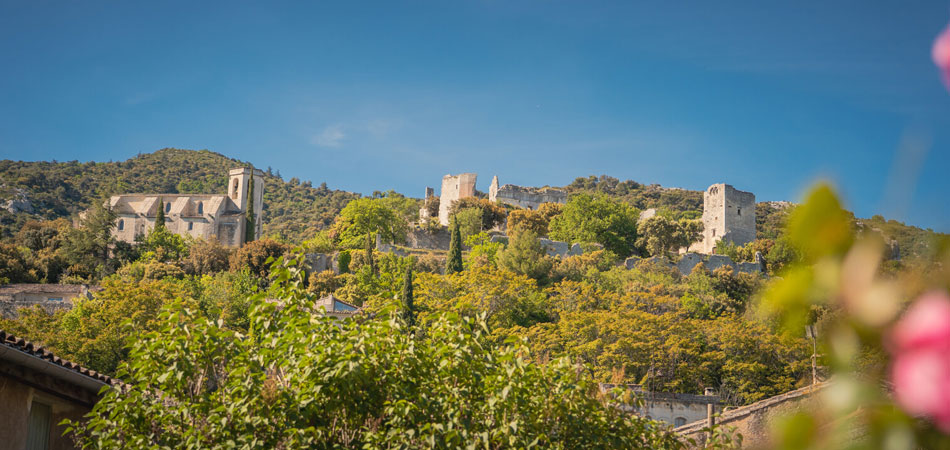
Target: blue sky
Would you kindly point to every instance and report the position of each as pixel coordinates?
(393, 95)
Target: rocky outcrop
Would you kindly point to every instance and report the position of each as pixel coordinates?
(19, 202)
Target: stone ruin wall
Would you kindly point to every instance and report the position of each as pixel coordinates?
(524, 197)
(728, 213)
(455, 187)
(689, 261)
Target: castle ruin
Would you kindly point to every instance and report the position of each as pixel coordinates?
(208, 216)
(454, 188)
(728, 214)
(524, 197)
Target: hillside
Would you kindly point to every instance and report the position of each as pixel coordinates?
(292, 209)
(296, 210)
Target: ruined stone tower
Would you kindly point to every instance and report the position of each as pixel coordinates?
(728, 214)
(455, 187)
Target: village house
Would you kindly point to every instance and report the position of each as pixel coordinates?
(38, 390)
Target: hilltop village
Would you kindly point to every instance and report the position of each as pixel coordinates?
(653, 291)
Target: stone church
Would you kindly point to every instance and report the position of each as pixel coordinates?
(207, 216)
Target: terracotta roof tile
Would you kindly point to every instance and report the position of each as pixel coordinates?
(40, 352)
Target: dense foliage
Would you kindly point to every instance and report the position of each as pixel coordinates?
(295, 380)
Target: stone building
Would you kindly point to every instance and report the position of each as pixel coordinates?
(38, 390)
(671, 408)
(52, 297)
(455, 187)
(729, 214)
(524, 197)
(209, 216)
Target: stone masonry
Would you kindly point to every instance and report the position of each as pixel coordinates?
(524, 197)
(207, 216)
(455, 187)
(728, 214)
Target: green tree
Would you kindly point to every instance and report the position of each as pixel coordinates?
(253, 256)
(299, 381)
(206, 257)
(597, 218)
(250, 227)
(525, 255)
(159, 216)
(453, 263)
(469, 221)
(86, 248)
(534, 220)
(368, 215)
(14, 268)
(657, 235)
(490, 214)
(370, 260)
(408, 303)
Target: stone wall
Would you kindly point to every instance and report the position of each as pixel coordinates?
(668, 407)
(754, 421)
(689, 261)
(524, 197)
(455, 187)
(728, 214)
(438, 239)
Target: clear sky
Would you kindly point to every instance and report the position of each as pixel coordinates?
(393, 95)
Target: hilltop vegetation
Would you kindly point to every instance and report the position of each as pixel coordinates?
(293, 209)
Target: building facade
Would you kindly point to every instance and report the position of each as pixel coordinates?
(38, 390)
(728, 214)
(208, 216)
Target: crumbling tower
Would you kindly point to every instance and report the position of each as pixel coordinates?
(455, 187)
(729, 214)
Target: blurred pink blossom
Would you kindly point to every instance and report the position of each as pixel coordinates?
(941, 54)
(921, 365)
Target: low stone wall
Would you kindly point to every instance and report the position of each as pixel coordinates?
(688, 261)
(430, 240)
(753, 421)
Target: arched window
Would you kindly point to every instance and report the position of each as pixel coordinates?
(121, 224)
(168, 207)
(191, 226)
(679, 421)
(738, 211)
(201, 208)
(234, 189)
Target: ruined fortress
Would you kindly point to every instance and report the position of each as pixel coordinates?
(457, 187)
(524, 197)
(208, 216)
(728, 214)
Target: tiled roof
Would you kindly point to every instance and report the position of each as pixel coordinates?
(36, 351)
(10, 289)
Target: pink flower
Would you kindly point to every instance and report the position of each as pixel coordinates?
(921, 365)
(941, 54)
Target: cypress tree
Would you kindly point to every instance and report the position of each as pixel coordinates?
(369, 253)
(160, 217)
(408, 305)
(454, 262)
(249, 230)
